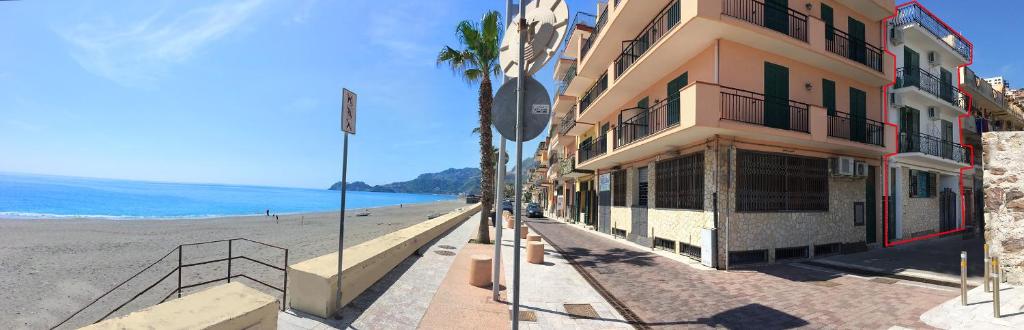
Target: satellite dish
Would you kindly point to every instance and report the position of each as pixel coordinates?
(546, 24)
(536, 113)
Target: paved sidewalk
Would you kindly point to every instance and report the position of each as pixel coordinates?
(459, 305)
(546, 288)
(665, 293)
(934, 260)
(400, 299)
(978, 312)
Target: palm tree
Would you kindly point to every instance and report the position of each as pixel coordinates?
(476, 62)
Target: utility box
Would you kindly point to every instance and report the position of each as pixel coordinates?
(708, 246)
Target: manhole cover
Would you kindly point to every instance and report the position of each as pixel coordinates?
(446, 247)
(527, 316)
(603, 270)
(827, 284)
(580, 311)
(445, 253)
(883, 280)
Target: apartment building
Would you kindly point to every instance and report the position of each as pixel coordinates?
(730, 131)
(927, 104)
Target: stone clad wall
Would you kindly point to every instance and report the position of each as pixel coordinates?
(1004, 200)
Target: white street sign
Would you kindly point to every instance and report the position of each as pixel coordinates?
(348, 111)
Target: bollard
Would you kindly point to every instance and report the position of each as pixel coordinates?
(995, 287)
(963, 278)
(988, 272)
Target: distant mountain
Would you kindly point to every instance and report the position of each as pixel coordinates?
(450, 182)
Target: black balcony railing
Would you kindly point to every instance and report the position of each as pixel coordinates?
(601, 20)
(650, 35)
(566, 79)
(567, 122)
(781, 19)
(840, 43)
(567, 165)
(593, 148)
(755, 108)
(599, 87)
(924, 80)
(856, 128)
(645, 123)
(913, 13)
(580, 19)
(934, 146)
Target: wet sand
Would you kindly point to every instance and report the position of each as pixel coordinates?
(49, 268)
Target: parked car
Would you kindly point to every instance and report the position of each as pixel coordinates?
(533, 211)
(506, 205)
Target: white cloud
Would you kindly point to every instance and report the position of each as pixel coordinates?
(138, 53)
(402, 28)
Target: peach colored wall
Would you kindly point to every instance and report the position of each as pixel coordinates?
(743, 68)
(840, 18)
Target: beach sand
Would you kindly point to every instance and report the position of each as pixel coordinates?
(49, 268)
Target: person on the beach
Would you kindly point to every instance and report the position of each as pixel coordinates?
(268, 212)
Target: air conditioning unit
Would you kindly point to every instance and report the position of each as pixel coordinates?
(861, 169)
(841, 166)
(931, 113)
(933, 58)
(896, 36)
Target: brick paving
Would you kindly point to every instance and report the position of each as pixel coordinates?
(665, 293)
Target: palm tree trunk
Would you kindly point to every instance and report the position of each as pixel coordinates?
(483, 234)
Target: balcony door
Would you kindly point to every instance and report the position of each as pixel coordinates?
(911, 65)
(910, 129)
(946, 85)
(857, 48)
(775, 15)
(776, 96)
(947, 139)
(858, 115)
(674, 87)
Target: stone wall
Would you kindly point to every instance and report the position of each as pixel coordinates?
(920, 214)
(1004, 200)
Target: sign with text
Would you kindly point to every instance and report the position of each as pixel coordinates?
(348, 111)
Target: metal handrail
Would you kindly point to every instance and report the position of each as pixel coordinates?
(599, 87)
(913, 13)
(855, 49)
(645, 123)
(856, 128)
(581, 18)
(647, 37)
(749, 107)
(928, 82)
(567, 122)
(566, 79)
(933, 146)
(601, 20)
(754, 11)
(593, 148)
(182, 265)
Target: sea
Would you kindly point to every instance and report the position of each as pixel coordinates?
(48, 196)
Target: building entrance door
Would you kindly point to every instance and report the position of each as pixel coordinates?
(947, 210)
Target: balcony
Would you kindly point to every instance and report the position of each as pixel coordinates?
(581, 25)
(650, 35)
(602, 19)
(913, 13)
(706, 110)
(860, 51)
(783, 20)
(567, 168)
(593, 148)
(855, 128)
(929, 83)
(566, 79)
(759, 109)
(933, 146)
(646, 123)
(595, 91)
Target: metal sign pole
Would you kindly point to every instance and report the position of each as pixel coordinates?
(341, 221)
(499, 194)
(520, 108)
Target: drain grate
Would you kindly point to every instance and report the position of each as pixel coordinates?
(883, 280)
(446, 247)
(580, 311)
(527, 316)
(603, 270)
(445, 253)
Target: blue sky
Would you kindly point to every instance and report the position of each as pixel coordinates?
(248, 91)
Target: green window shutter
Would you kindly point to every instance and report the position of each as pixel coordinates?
(857, 44)
(776, 15)
(858, 115)
(674, 86)
(913, 182)
(933, 188)
(828, 95)
(776, 96)
(828, 18)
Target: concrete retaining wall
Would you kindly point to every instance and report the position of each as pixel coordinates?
(312, 284)
(1004, 200)
(227, 306)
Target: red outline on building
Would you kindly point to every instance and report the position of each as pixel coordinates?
(885, 107)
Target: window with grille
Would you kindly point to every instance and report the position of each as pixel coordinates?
(642, 186)
(769, 182)
(665, 244)
(922, 184)
(619, 188)
(679, 182)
